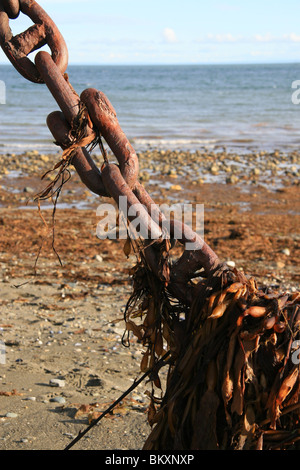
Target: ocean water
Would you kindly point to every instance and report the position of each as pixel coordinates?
(240, 107)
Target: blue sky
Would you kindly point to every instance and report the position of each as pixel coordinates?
(175, 31)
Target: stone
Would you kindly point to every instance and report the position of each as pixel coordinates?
(232, 179)
(11, 415)
(231, 264)
(60, 400)
(214, 169)
(27, 189)
(57, 383)
(176, 187)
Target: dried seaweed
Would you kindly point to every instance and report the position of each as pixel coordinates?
(61, 172)
(232, 381)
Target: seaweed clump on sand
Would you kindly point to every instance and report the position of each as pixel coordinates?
(233, 370)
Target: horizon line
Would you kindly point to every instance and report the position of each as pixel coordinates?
(149, 64)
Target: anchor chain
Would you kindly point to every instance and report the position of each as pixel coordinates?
(84, 120)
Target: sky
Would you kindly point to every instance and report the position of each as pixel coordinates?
(121, 32)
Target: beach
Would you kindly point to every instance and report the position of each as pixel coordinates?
(62, 304)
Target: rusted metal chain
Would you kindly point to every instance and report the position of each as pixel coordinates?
(94, 110)
(105, 120)
(12, 8)
(67, 100)
(117, 187)
(44, 31)
(111, 178)
(82, 161)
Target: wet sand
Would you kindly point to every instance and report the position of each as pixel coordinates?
(65, 322)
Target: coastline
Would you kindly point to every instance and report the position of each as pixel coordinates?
(65, 322)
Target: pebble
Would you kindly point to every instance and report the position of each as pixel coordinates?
(68, 434)
(176, 187)
(231, 264)
(60, 400)
(286, 252)
(11, 415)
(57, 383)
(232, 179)
(214, 169)
(27, 189)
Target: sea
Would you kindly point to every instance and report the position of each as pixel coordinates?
(242, 108)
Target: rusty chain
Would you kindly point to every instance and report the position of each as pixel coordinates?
(43, 32)
(84, 119)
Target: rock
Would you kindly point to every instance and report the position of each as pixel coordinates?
(60, 400)
(286, 252)
(200, 181)
(144, 176)
(98, 258)
(232, 179)
(94, 382)
(214, 169)
(231, 264)
(11, 415)
(57, 383)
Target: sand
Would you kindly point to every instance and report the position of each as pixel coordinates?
(65, 321)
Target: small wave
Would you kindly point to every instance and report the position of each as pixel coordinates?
(172, 144)
(242, 141)
(28, 146)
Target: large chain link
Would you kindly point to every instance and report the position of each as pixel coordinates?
(82, 120)
(44, 31)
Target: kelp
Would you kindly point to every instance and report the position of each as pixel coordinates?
(233, 371)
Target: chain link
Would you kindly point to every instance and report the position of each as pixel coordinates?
(83, 120)
(12, 8)
(43, 32)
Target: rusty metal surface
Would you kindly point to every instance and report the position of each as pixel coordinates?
(12, 8)
(65, 97)
(105, 119)
(44, 31)
(85, 166)
(86, 119)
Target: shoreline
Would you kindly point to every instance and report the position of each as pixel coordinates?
(168, 169)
